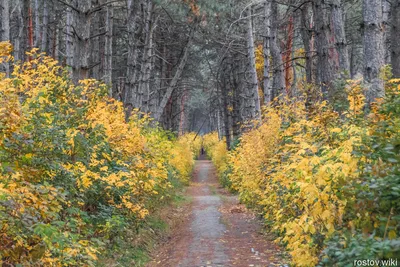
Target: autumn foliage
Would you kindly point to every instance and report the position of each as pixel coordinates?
(325, 182)
(73, 173)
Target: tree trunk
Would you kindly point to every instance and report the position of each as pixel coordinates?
(287, 55)
(5, 28)
(69, 45)
(373, 49)
(306, 37)
(37, 24)
(30, 26)
(340, 37)
(18, 42)
(266, 51)
(278, 82)
(108, 48)
(324, 66)
(45, 25)
(225, 103)
(144, 86)
(81, 39)
(131, 72)
(253, 96)
(395, 44)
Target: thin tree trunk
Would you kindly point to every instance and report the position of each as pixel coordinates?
(306, 37)
(266, 50)
(30, 27)
(395, 44)
(5, 28)
(287, 55)
(225, 103)
(45, 25)
(235, 102)
(37, 24)
(20, 35)
(108, 48)
(373, 49)
(254, 97)
(69, 39)
(143, 86)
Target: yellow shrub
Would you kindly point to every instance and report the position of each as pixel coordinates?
(293, 169)
(73, 173)
(216, 150)
(185, 150)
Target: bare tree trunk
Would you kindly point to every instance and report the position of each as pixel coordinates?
(266, 50)
(5, 28)
(306, 36)
(373, 49)
(68, 39)
(30, 24)
(278, 82)
(235, 102)
(81, 53)
(144, 86)
(131, 72)
(395, 44)
(96, 32)
(324, 66)
(108, 48)
(254, 98)
(340, 37)
(225, 103)
(45, 25)
(37, 24)
(175, 79)
(18, 42)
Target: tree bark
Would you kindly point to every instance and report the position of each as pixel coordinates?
(37, 24)
(18, 41)
(324, 65)
(131, 72)
(340, 37)
(69, 45)
(253, 96)
(109, 48)
(45, 25)
(5, 28)
(278, 82)
(81, 39)
(373, 49)
(144, 85)
(266, 51)
(306, 37)
(395, 44)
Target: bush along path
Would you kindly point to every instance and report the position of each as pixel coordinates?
(326, 179)
(217, 231)
(78, 182)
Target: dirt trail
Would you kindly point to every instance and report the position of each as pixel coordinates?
(217, 231)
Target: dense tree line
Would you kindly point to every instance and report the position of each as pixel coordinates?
(210, 64)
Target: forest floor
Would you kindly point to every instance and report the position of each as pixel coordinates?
(215, 230)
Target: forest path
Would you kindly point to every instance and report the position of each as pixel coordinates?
(218, 230)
